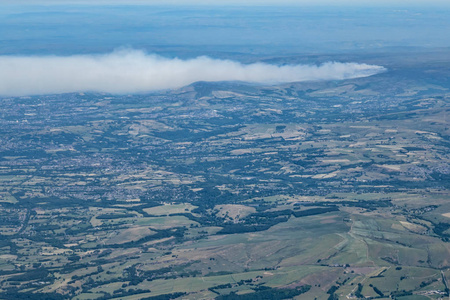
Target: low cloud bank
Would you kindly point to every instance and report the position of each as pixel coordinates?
(134, 71)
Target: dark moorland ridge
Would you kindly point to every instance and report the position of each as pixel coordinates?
(231, 191)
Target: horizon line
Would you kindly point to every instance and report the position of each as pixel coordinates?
(248, 3)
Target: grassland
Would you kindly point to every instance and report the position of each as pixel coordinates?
(327, 190)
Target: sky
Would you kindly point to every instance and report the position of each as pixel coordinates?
(405, 3)
(49, 48)
(188, 31)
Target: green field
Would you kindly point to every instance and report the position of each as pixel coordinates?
(314, 190)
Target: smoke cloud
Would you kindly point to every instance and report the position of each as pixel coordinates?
(134, 71)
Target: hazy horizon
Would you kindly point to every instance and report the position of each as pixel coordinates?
(387, 3)
(189, 31)
(65, 41)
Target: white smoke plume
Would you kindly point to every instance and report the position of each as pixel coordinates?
(133, 71)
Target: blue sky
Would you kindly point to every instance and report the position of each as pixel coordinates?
(238, 2)
(51, 47)
(42, 27)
